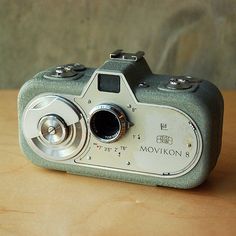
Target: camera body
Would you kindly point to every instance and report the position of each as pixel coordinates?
(122, 122)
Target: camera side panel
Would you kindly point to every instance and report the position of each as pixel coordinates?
(204, 104)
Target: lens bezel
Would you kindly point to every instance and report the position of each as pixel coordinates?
(119, 117)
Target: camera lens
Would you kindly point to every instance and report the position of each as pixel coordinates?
(105, 124)
(108, 123)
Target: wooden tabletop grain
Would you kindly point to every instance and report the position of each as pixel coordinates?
(36, 201)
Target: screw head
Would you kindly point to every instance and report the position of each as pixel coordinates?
(143, 85)
(78, 67)
(60, 70)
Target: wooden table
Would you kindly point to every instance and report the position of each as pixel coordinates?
(36, 201)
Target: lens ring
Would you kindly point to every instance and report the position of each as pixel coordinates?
(107, 123)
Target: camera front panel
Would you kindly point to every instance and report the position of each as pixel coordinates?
(107, 128)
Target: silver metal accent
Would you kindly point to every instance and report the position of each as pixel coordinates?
(192, 125)
(64, 72)
(143, 85)
(179, 83)
(120, 55)
(147, 157)
(118, 114)
(193, 80)
(68, 72)
(54, 128)
(76, 67)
